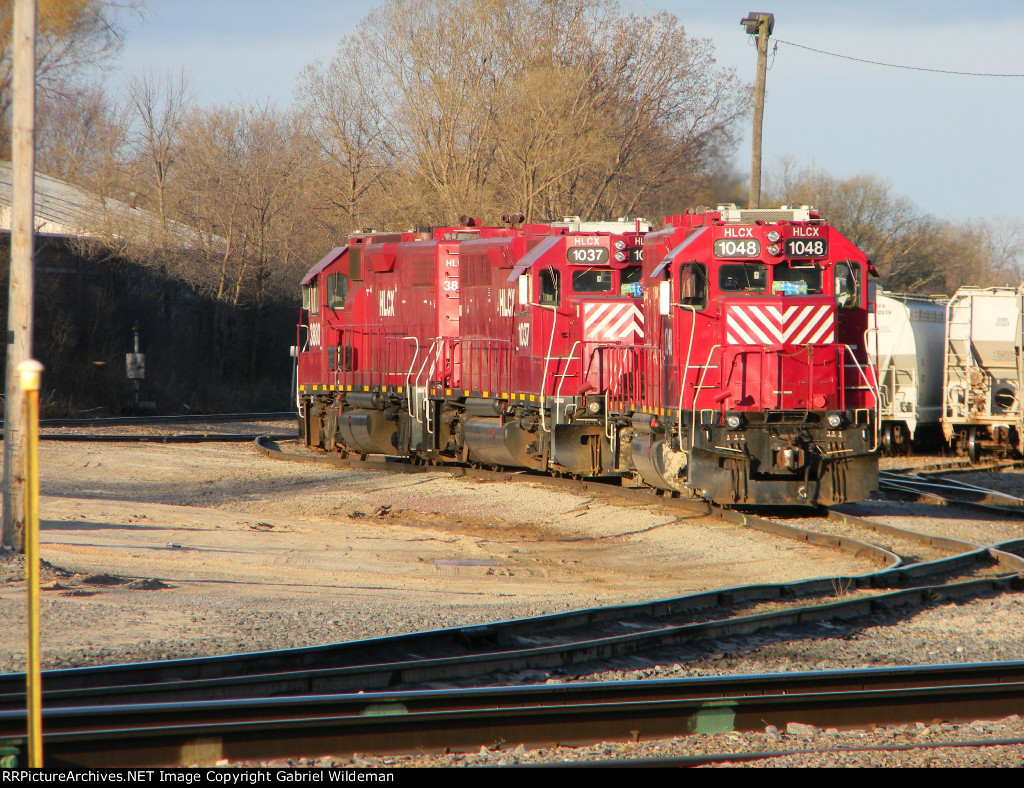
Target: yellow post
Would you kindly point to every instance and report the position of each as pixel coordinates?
(30, 371)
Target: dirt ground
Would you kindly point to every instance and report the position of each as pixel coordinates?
(156, 551)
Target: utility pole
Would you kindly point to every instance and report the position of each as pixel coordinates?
(760, 24)
(19, 303)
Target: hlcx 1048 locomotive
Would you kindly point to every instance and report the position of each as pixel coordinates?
(723, 356)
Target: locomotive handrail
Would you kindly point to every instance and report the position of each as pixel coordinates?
(557, 397)
(547, 361)
(874, 390)
(696, 393)
(487, 349)
(686, 367)
(607, 381)
(413, 404)
(412, 364)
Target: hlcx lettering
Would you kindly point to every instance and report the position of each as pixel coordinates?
(506, 302)
(386, 301)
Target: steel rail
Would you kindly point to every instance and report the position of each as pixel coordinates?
(958, 466)
(548, 642)
(463, 652)
(952, 495)
(203, 733)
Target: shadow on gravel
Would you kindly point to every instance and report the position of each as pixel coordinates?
(86, 525)
(202, 493)
(915, 509)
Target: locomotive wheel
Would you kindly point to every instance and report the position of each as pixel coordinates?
(973, 445)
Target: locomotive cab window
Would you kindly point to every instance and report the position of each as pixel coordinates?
(847, 284)
(550, 289)
(629, 281)
(693, 285)
(743, 277)
(310, 297)
(631, 274)
(593, 280)
(337, 290)
(796, 280)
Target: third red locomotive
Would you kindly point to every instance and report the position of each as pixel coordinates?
(722, 356)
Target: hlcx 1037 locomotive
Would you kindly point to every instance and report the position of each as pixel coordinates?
(723, 356)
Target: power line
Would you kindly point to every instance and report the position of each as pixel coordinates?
(896, 65)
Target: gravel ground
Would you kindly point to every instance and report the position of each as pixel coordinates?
(158, 551)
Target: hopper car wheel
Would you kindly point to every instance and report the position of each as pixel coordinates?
(887, 440)
(900, 439)
(973, 445)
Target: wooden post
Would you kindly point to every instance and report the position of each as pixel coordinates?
(29, 373)
(19, 304)
(761, 24)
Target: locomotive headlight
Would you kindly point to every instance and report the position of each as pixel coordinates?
(620, 256)
(774, 236)
(773, 249)
(594, 406)
(620, 245)
(734, 421)
(834, 419)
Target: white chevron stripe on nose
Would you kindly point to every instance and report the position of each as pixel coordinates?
(807, 324)
(612, 321)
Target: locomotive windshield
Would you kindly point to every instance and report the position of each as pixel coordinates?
(789, 280)
(632, 274)
(743, 277)
(593, 280)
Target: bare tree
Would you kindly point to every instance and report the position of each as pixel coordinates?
(537, 106)
(913, 251)
(79, 137)
(74, 37)
(340, 107)
(157, 107)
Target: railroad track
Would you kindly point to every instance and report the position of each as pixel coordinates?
(957, 466)
(376, 667)
(203, 733)
(560, 640)
(951, 492)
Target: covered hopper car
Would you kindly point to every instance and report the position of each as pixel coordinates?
(983, 379)
(908, 347)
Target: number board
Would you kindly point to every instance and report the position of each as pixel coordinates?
(586, 254)
(806, 247)
(729, 247)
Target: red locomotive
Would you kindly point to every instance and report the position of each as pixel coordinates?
(722, 356)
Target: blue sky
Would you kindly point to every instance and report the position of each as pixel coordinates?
(950, 143)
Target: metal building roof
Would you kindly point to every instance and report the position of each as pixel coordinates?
(64, 209)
